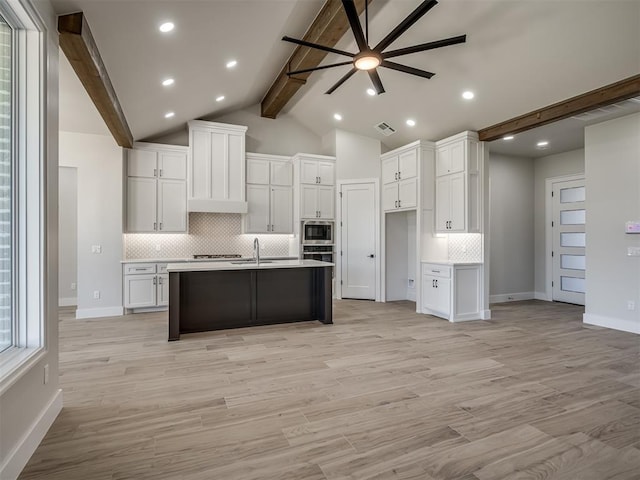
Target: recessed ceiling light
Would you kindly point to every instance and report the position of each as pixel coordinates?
(168, 81)
(166, 27)
(337, 116)
(169, 114)
(232, 63)
(542, 143)
(371, 91)
(411, 122)
(220, 98)
(508, 137)
(468, 95)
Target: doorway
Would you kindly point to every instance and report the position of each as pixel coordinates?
(358, 258)
(68, 236)
(568, 239)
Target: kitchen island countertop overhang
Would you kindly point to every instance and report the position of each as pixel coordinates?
(219, 295)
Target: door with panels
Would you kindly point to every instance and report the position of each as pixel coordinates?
(569, 241)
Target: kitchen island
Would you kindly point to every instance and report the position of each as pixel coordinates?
(218, 295)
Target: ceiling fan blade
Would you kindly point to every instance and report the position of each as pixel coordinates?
(375, 79)
(354, 21)
(425, 46)
(307, 70)
(403, 26)
(342, 80)
(405, 69)
(304, 43)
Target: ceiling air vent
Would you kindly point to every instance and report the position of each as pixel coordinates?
(385, 128)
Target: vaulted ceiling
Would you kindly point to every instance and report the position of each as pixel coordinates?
(519, 56)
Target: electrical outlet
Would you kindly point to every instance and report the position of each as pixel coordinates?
(96, 248)
(46, 374)
(411, 283)
(157, 247)
(96, 294)
(631, 305)
(633, 251)
(73, 286)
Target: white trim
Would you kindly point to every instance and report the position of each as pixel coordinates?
(485, 314)
(17, 459)
(548, 218)
(511, 297)
(613, 323)
(99, 312)
(68, 302)
(541, 296)
(338, 238)
(18, 362)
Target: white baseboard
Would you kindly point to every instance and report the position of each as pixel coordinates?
(20, 455)
(68, 302)
(511, 297)
(411, 294)
(485, 314)
(99, 312)
(541, 296)
(613, 323)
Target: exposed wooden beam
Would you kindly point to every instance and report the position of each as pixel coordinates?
(615, 92)
(80, 48)
(327, 29)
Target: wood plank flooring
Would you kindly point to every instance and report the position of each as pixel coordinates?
(381, 394)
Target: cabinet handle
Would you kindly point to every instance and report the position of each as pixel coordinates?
(436, 283)
(160, 172)
(272, 228)
(140, 269)
(160, 280)
(160, 225)
(433, 283)
(154, 280)
(267, 227)
(396, 175)
(155, 172)
(400, 203)
(435, 271)
(395, 203)
(155, 226)
(399, 175)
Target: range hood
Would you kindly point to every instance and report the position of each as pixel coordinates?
(216, 206)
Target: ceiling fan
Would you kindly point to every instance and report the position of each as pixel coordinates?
(368, 58)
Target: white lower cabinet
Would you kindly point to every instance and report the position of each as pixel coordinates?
(146, 285)
(452, 291)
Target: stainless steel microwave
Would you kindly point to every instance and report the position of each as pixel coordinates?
(315, 232)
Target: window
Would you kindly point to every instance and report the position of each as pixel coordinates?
(22, 188)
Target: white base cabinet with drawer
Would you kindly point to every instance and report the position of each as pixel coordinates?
(146, 286)
(452, 291)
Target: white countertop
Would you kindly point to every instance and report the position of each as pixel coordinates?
(229, 265)
(191, 259)
(450, 263)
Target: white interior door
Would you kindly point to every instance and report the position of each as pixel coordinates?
(569, 240)
(358, 243)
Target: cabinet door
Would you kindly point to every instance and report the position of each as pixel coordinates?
(443, 160)
(309, 172)
(142, 163)
(281, 209)
(257, 171)
(408, 164)
(390, 197)
(407, 193)
(326, 173)
(458, 157)
(308, 201)
(235, 179)
(436, 294)
(458, 199)
(141, 204)
(172, 206)
(281, 174)
(325, 202)
(172, 165)
(257, 218)
(200, 171)
(443, 203)
(162, 290)
(139, 291)
(219, 166)
(389, 170)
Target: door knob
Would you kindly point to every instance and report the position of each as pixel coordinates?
(371, 256)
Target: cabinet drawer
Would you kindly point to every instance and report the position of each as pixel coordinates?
(436, 270)
(139, 268)
(162, 268)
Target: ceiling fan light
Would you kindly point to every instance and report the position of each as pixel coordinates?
(367, 61)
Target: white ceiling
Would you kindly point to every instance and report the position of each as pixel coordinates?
(519, 56)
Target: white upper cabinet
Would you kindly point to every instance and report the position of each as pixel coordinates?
(399, 178)
(269, 194)
(314, 186)
(317, 172)
(459, 200)
(156, 190)
(216, 173)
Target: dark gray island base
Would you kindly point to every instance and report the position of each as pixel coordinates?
(202, 299)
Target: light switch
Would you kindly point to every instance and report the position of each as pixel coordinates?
(633, 251)
(96, 248)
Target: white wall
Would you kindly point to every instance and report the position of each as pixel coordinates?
(282, 136)
(612, 169)
(99, 164)
(68, 239)
(357, 156)
(511, 228)
(568, 163)
(28, 406)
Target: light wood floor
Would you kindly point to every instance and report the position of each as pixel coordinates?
(381, 394)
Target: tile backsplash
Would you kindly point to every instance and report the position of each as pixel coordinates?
(465, 247)
(209, 233)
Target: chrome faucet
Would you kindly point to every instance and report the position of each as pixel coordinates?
(256, 250)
